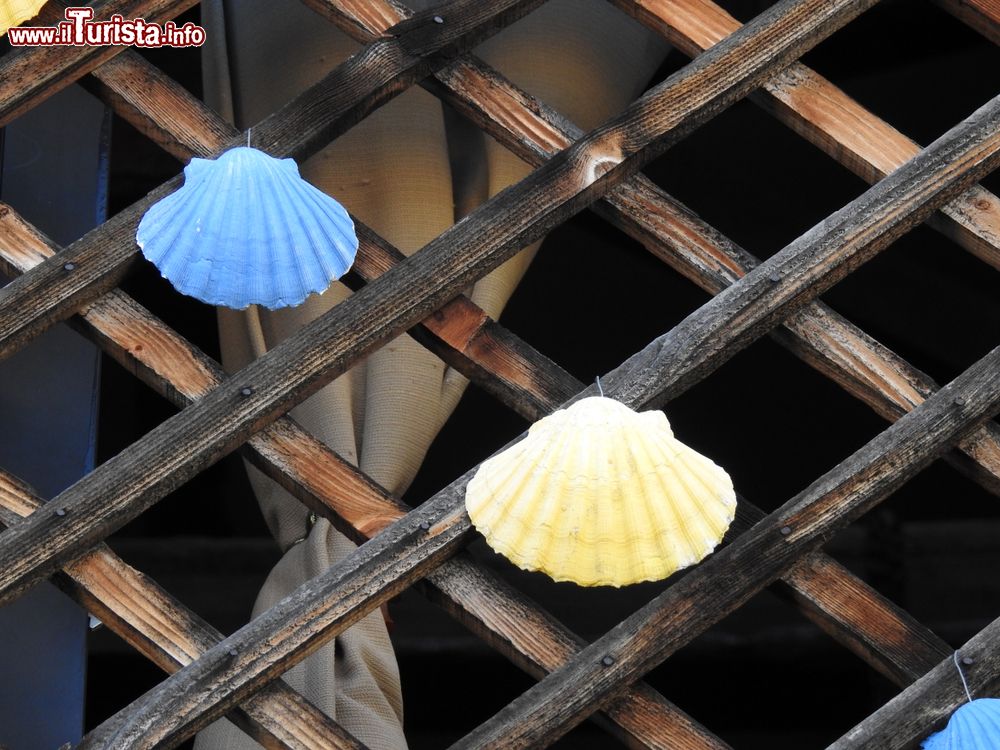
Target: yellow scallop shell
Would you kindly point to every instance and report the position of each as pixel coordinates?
(16, 12)
(601, 495)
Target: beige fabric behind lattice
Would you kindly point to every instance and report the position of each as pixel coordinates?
(394, 172)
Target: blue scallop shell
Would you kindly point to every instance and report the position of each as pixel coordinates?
(973, 726)
(246, 229)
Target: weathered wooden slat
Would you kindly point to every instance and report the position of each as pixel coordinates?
(145, 97)
(853, 613)
(411, 50)
(324, 482)
(494, 610)
(171, 636)
(818, 335)
(640, 642)
(357, 505)
(124, 486)
(858, 617)
(827, 117)
(411, 547)
(891, 667)
(981, 15)
(927, 704)
(30, 75)
(841, 608)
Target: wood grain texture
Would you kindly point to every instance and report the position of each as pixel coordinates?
(825, 254)
(735, 573)
(160, 109)
(171, 636)
(926, 705)
(382, 69)
(851, 612)
(880, 633)
(827, 117)
(411, 547)
(981, 15)
(858, 617)
(123, 487)
(351, 500)
(532, 639)
(29, 75)
(818, 335)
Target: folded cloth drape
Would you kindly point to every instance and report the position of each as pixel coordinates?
(402, 171)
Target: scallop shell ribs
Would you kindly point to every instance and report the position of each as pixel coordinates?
(246, 229)
(973, 726)
(600, 495)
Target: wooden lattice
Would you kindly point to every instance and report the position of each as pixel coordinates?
(212, 675)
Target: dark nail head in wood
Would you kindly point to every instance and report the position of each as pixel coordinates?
(608, 660)
(786, 530)
(424, 526)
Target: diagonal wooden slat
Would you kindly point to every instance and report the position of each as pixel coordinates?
(412, 49)
(981, 15)
(124, 486)
(821, 337)
(415, 544)
(29, 75)
(856, 615)
(828, 118)
(798, 96)
(357, 505)
(853, 613)
(926, 705)
(818, 335)
(640, 642)
(169, 635)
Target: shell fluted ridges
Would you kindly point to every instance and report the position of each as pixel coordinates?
(973, 726)
(15, 12)
(246, 229)
(598, 494)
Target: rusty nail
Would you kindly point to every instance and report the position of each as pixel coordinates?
(786, 530)
(608, 660)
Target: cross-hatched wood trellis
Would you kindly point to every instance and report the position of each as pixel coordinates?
(213, 675)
